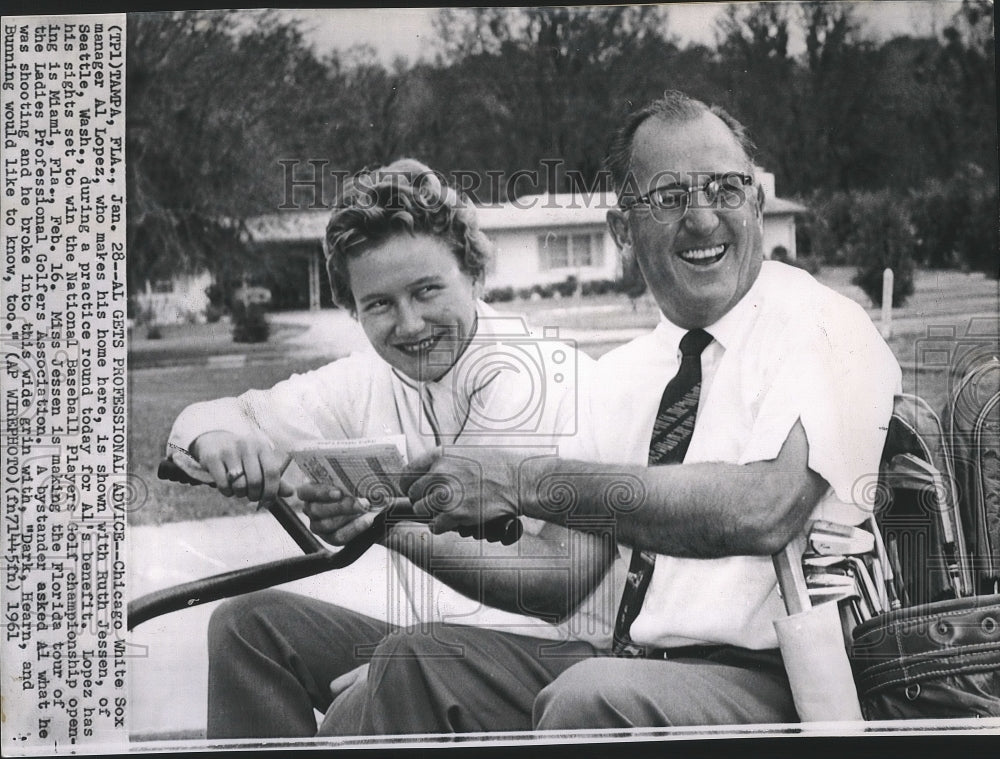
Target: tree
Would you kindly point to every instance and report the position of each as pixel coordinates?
(881, 237)
(544, 84)
(967, 67)
(210, 100)
(832, 113)
(759, 78)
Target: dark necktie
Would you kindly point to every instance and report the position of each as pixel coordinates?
(668, 445)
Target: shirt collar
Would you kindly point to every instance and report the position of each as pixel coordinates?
(732, 326)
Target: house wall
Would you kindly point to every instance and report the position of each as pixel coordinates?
(519, 259)
(779, 229)
(186, 300)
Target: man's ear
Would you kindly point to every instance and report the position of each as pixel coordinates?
(635, 284)
(618, 226)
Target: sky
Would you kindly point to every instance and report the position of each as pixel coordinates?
(408, 31)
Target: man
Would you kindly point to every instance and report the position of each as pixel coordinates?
(759, 401)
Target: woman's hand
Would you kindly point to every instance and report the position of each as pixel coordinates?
(244, 467)
(333, 515)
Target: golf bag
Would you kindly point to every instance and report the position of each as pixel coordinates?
(938, 655)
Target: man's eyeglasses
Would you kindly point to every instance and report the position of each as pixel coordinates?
(669, 202)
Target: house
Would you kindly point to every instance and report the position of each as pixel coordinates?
(182, 298)
(540, 239)
(543, 239)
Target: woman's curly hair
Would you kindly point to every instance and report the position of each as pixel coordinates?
(405, 196)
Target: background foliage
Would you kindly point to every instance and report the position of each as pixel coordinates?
(892, 142)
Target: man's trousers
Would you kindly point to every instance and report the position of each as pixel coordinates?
(273, 654)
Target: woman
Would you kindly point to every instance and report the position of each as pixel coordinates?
(406, 256)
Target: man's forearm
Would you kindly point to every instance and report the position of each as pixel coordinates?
(538, 576)
(689, 510)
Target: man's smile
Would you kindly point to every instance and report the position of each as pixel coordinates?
(703, 256)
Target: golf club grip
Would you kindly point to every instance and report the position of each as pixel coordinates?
(287, 518)
(168, 470)
(504, 530)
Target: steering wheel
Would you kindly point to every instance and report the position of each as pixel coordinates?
(316, 557)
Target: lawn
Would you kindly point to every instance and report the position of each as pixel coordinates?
(156, 397)
(930, 326)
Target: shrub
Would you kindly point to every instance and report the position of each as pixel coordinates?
(956, 222)
(937, 215)
(597, 287)
(882, 236)
(525, 293)
(811, 264)
(216, 295)
(825, 231)
(978, 241)
(499, 295)
(249, 323)
(213, 313)
(545, 291)
(566, 288)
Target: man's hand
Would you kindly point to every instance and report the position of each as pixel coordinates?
(245, 467)
(465, 491)
(333, 515)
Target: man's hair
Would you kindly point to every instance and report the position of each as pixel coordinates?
(404, 197)
(673, 108)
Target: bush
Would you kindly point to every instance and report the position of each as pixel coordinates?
(216, 295)
(525, 293)
(809, 264)
(250, 323)
(545, 291)
(882, 236)
(213, 313)
(499, 295)
(824, 232)
(566, 288)
(978, 241)
(597, 287)
(956, 222)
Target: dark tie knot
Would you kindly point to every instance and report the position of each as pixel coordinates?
(694, 342)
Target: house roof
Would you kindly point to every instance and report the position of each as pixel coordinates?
(776, 206)
(527, 212)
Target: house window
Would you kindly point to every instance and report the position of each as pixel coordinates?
(563, 251)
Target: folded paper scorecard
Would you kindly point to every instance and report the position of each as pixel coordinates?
(364, 468)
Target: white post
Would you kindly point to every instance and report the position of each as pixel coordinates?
(314, 283)
(887, 303)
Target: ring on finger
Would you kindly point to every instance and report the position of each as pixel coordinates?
(234, 474)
